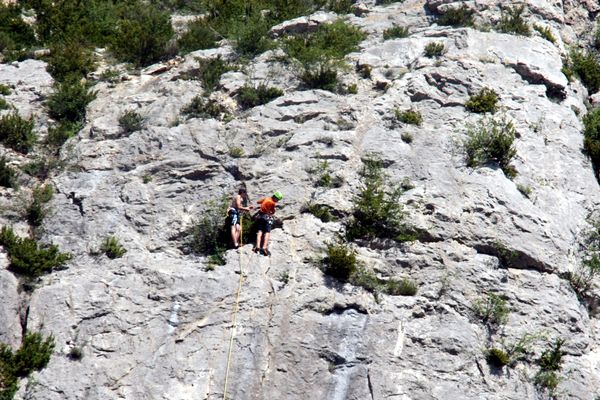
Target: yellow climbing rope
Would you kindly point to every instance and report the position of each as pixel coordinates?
(234, 319)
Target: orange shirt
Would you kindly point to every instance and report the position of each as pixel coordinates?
(267, 205)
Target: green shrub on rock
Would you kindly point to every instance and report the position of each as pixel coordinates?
(545, 32)
(112, 248)
(199, 35)
(395, 32)
(210, 70)
(403, 287)
(591, 136)
(59, 133)
(323, 77)
(131, 121)
(33, 355)
(69, 100)
(8, 176)
(29, 258)
(434, 49)
(340, 261)
(17, 133)
(493, 310)
(491, 140)
(252, 96)
(587, 67)
(328, 42)
(141, 34)
(36, 210)
(320, 53)
(410, 117)
(68, 58)
(456, 16)
(377, 212)
(497, 357)
(484, 101)
(202, 108)
(15, 34)
(512, 21)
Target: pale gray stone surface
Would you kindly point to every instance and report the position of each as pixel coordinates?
(156, 323)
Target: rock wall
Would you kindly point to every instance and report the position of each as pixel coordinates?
(156, 323)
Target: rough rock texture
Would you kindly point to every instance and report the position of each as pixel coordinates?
(156, 323)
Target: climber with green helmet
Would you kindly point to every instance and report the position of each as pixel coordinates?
(264, 222)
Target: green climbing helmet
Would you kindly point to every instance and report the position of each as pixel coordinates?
(277, 195)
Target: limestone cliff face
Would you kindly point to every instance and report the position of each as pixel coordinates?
(155, 324)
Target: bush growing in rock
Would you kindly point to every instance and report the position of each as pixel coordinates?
(199, 35)
(75, 354)
(210, 71)
(252, 38)
(69, 100)
(434, 49)
(15, 34)
(17, 133)
(251, 96)
(201, 108)
(209, 234)
(41, 167)
(550, 363)
(491, 140)
(583, 277)
(328, 42)
(59, 133)
(112, 248)
(395, 32)
(377, 212)
(131, 121)
(403, 287)
(29, 258)
(456, 16)
(4, 89)
(320, 53)
(8, 176)
(512, 21)
(586, 66)
(319, 211)
(141, 34)
(321, 77)
(340, 261)
(236, 152)
(591, 136)
(36, 211)
(492, 310)
(70, 58)
(33, 355)
(4, 104)
(484, 101)
(411, 117)
(340, 6)
(323, 176)
(545, 32)
(497, 357)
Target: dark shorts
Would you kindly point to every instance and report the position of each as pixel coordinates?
(234, 217)
(264, 223)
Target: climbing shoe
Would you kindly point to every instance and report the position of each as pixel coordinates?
(255, 249)
(265, 252)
